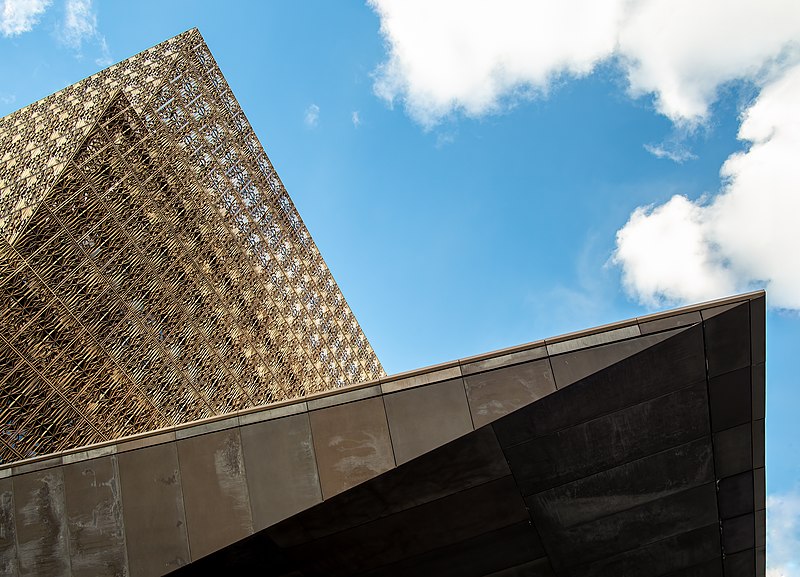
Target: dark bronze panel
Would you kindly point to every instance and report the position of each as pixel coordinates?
(731, 399)
(502, 549)
(741, 564)
(94, 518)
(711, 568)
(692, 554)
(760, 489)
(758, 330)
(467, 462)
(666, 366)
(733, 450)
(414, 531)
(214, 490)
(670, 322)
(610, 440)
(8, 538)
(537, 568)
(629, 485)
(351, 443)
(427, 417)
(282, 476)
(633, 528)
(153, 512)
(736, 495)
(761, 561)
(727, 333)
(496, 393)
(759, 441)
(571, 367)
(42, 546)
(738, 533)
(759, 391)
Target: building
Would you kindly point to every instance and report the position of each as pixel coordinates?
(631, 449)
(193, 395)
(153, 270)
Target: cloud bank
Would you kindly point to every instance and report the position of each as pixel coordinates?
(467, 57)
(470, 56)
(740, 238)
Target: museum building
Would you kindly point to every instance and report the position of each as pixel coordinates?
(183, 387)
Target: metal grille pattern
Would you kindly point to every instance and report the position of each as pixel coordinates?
(153, 270)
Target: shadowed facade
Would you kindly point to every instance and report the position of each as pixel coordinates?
(632, 449)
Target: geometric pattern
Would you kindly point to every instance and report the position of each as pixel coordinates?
(153, 269)
(631, 449)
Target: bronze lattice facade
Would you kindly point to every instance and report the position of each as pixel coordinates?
(153, 269)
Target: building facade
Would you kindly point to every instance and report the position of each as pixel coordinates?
(153, 269)
(634, 449)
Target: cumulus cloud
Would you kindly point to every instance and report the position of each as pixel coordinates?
(666, 255)
(311, 117)
(19, 16)
(469, 55)
(356, 118)
(682, 51)
(472, 57)
(783, 535)
(740, 238)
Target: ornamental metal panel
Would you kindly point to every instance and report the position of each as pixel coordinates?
(153, 269)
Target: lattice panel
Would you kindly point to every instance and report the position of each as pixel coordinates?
(153, 269)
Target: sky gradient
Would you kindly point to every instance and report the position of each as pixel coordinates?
(478, 176)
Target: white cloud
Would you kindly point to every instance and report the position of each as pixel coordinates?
(105, 54)
(79, 27)
(312, 116)
(682, 51)
(471, 56)
(677, 154)
(666, 255)
(747, 236)
(356, 118)
(19, 16)
(783, 535)
(80, 23)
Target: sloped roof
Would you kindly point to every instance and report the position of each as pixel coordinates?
(631, 449)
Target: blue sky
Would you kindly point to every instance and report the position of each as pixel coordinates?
(483, 175)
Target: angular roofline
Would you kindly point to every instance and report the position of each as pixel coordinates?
(544, 348)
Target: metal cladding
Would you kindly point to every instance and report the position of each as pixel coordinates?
(153, 269)
(632, 449)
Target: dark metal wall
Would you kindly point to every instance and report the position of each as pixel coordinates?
(635, 449)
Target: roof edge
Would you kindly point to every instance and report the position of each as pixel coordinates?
(279, 408)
